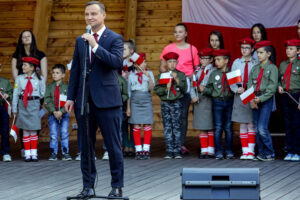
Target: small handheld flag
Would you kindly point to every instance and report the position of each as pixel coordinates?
(248, 95)
(234, 77)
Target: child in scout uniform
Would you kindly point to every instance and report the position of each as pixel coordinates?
(128, 142)
(6, 91)
(170, 87)
(218, 88)
(203, 117)
(58, 118)
(264, 79)
(243, 113)
(28, 90)
(289, 82)
(139, 105)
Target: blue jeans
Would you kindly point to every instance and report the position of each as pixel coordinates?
(261, 117)
(291, 116)
(56, 125)
(222, 111)
(4, 130)
(120, 130)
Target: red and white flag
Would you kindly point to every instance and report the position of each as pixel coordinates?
(235, 18)
(62, 100)
(165, 78)
(234, 77)
(8, 108)
(248, 95)
(136, 58)
(14, 132)
(194, 81)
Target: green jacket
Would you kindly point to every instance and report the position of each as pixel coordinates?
(214, 86)
(49, 96)
(123, 87)
(295, 74)
(162, 91)
(5, 87)
(269, 81)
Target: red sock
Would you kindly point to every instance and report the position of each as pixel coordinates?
(251, 142)
(203, 142)
(137, 138)
(244, 143)
(26, 141)
(147, 134)
(211, 139)
(34, 141)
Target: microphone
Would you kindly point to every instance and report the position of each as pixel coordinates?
(88, 28)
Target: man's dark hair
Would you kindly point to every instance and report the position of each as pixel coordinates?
(61, 67)
(101, 5)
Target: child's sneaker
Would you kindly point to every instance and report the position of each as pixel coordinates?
(288, 157)
(184, 150)
(66, 156)
(229, 156)
(105, 156)
(146, 155)
(53, 157)
(251, 156)
(6, 158)
(244, 157)
(168, 155)
(219, 157)
(295, 158)
(177, 156)
(139, 155)
(34, 159)
(78, 157)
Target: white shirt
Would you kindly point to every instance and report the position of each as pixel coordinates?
(100, 32)
(134, 84)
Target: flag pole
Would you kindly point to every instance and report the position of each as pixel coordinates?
(291, 97)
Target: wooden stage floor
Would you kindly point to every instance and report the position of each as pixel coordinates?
(156, 178)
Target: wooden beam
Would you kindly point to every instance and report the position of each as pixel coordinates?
(130, 19)
(41, 22)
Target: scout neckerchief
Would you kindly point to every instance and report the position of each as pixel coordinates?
(28, 89)
(224, 79)
(287, 75)
(201, 77)
(56, 97)
(259, 78)
(245, 75)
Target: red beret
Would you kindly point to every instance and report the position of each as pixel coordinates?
(206, 52)
(263, 43)
(171, 55)
(292, 42)
(221, 52)
(143, 55)
(247, 41)
(31, 60)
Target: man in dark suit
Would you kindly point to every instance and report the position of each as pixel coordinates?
(105, 49)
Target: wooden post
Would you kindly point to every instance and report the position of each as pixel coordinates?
(41, 22)
(130, 19)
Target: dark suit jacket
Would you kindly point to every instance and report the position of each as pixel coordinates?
(103, 76)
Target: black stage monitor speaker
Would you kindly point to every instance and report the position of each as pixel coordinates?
(220, 183)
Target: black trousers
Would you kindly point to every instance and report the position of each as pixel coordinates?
(108, 120)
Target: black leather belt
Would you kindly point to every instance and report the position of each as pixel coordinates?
(30, 98)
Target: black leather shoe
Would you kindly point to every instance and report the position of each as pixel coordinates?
(116, 192)
(85, 193)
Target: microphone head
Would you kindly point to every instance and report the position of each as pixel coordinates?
(88, 28)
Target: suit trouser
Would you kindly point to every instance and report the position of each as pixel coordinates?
(108, 119)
